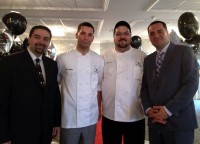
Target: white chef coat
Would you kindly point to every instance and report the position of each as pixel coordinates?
(80, 77)
(121, 85)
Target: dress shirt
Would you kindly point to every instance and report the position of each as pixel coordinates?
(80, 78)
(41, 63)
(164, 50)
(121, 85)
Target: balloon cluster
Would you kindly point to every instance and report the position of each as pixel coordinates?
(16, 25)
(136, 42)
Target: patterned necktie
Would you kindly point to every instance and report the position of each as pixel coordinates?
(39, 72)
(159, 63)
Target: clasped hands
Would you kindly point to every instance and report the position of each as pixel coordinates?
(158, 114)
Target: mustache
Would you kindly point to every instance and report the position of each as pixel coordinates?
(122, 39)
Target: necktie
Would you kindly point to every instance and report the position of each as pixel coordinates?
(39, 72)
(159, 63)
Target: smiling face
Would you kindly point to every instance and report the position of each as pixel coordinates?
(158, 35)
(122, 38)
(39, 41)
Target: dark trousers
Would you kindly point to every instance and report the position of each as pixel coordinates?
(163, 136)
(132, 132)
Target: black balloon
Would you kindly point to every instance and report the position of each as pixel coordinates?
(136, 41)
(15, 22)
(188, 27)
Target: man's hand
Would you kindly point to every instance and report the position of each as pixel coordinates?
(55, 132)
(151, 111)
(158, 114)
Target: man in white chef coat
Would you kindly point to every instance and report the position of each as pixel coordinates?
(80, 75)
(122, 110)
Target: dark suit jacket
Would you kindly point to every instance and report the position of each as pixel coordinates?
(175, 87)
(27, 114)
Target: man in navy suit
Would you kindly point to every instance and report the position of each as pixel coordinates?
(167, 96)
(29, 111)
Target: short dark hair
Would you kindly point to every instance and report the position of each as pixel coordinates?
(155, 22)
(40, 27)
(122, 23)
(85, 24)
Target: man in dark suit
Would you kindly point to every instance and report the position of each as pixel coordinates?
(29, 107)
(167, 93)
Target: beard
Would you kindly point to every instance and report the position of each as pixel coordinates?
(122, 43)
(40, 48)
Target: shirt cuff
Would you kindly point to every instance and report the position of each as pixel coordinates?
(147, 111)
(168, 112)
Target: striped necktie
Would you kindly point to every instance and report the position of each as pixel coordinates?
(159, 63)
(39, 72)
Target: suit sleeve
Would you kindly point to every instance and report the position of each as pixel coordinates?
(189, 83)
(5, 89)
(57, 115)
(144, 89)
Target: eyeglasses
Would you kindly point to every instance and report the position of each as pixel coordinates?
(126, 34)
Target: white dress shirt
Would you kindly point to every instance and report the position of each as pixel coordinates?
(121, 85)
(41, 63)
(80, 78)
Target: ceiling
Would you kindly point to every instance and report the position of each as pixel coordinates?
(103, 14)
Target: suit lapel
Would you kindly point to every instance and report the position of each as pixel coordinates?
(47, 71)
(153, 64)
(29, 64)
(168, 56)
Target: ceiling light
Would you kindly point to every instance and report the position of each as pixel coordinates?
(109, 30)
(69, 29)
(61, 31)
(150, 4)
(153, 17)
(57, 31)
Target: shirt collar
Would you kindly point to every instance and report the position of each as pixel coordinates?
(164, 49)
(33, 56)
(80, 54)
